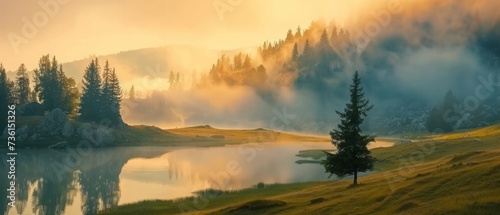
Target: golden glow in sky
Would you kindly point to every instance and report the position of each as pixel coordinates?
(74, 29)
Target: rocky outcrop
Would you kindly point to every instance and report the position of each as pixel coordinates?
(96, 134)
(67, 130)
(21, 133)
(56, 123)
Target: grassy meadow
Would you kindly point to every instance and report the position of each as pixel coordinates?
(447, 174)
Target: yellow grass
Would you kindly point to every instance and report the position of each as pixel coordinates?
(443, 175)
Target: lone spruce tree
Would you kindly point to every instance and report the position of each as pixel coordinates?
(352, 154)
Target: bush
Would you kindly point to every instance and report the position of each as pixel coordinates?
(261, 185)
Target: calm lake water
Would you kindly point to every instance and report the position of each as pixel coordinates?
(87, 181)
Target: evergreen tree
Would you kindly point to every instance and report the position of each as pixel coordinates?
(306, 55)
(443, 118)
(132, 93)
(238, 61)
(56, 81)
(247, 63)
(289, 36)
(107, 91)
(69, 92)
(91, 94)
(298, 33)
(352, 154)
(334, 35)
(295, 53)
(324, 43)
(46, 85)
(5, 96)
(171, 80)
(177, 78)
(53, 87)
(23, 85)
(116, 98)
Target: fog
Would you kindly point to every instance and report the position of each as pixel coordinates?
(405, 51)
(78, 29)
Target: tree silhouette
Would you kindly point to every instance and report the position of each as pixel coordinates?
(69, 93)
(53, 87)
(443, 117)
(91, 94)
(132, 93)
(5, 96)
(295, 53)
(352, 154)
(116, 98)
(23, 85)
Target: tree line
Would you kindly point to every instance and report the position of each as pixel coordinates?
(99, 98)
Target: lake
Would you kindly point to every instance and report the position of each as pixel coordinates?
(85, 181)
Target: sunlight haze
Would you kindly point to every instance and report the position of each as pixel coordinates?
(83, 28)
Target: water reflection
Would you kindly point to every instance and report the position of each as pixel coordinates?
(184, 171)
(85, 182)
(58, 182)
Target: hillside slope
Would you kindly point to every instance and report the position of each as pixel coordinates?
(459, 176)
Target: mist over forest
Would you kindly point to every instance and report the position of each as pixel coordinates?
(409, 56)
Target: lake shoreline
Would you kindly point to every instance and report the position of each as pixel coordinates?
(435, 168)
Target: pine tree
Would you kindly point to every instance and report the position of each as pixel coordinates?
(91, 94)
(56, 82)
(443, 117)
(69, 92)
(295, 53)
(324, 42)
(107, 92)
(132, 93)
(23, 85)
(298, 33)
(334, 36)
(53, 87)
(289, 36)
(6, 97)
(247, 63)
(45, 86)
(238, 61)
(306, 56)
(116, 98)
(352, 154)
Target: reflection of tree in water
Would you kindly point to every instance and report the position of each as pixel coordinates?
(100, 186)
(44, 178)
(22, 188)
(3, 186)
(52, 196)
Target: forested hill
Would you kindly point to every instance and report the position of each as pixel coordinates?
(422, 66)
(155, 62)
(408, 60)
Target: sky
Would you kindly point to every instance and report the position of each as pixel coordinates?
(75, 29)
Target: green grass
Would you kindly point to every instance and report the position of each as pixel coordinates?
(433, 176)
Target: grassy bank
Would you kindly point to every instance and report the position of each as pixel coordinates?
(440, 175)
(142, 135)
